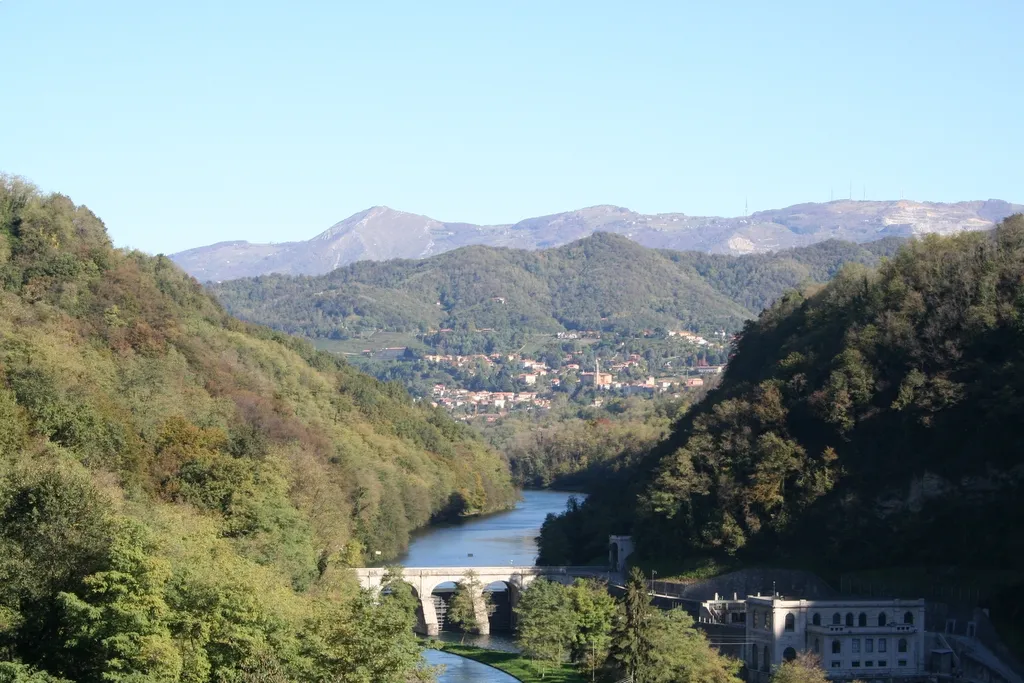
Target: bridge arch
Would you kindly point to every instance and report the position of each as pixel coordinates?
(425, 580)
(441, 595)
(501, 615)
(421, 616)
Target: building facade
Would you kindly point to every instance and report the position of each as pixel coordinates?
(854, 639)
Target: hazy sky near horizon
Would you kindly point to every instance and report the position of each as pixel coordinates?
(185, 123)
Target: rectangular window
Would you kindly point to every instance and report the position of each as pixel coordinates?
(856, 665)
(881, 644)
(882, 662)
(856, 645)
(836, 665)
(902, 662)
(869, 663)
(869, 645)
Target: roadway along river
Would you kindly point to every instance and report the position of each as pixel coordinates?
(498, 539)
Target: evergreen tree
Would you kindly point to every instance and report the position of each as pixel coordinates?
(632, 646)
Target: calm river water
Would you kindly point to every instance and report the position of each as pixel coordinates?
(462, 670)
(499, 539)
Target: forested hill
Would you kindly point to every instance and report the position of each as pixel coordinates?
(179, 490)
(873, 422)
(602, 282)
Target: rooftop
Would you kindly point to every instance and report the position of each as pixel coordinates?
(866, 601)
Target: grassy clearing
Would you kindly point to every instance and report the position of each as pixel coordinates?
(374, 342)
(516, 665)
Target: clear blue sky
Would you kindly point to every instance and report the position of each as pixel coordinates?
(183, 122)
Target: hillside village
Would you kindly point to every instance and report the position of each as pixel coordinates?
(587, 377)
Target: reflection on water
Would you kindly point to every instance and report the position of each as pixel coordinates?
(499, 539)
(462, 670)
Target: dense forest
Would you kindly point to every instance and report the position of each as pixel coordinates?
(180, 491)
(603, 282)
(870, 422)
(576, 447)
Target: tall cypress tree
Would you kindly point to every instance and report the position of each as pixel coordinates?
(631, 640)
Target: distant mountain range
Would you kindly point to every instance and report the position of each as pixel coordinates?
(601, 282)
(380, 233)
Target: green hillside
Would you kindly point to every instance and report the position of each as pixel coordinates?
(179, 490)
(603, 282)
(872, 422)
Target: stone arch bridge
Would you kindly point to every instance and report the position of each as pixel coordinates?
(424, 580)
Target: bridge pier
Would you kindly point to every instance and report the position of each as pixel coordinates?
(480, 613)
(428, 625)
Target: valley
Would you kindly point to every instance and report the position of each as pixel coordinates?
(715, 437)
(710, 437)
(614, 395)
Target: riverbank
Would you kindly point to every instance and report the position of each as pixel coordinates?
(515, 665)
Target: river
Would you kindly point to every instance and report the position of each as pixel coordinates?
(489, 541)
(499, 539)
(461, 670)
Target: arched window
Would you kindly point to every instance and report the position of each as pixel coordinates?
(837, 647)
(837, 619)
(849, 618)
(789, 654)
(881, 618)
(753, 659)
(817, 646)
(766, 665)
(902, 645)
(862, 620)
(790, 622)
(816, 620)
(908, 618)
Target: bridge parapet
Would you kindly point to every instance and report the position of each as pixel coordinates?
(426, 579)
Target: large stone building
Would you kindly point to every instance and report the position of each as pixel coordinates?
(854, 639)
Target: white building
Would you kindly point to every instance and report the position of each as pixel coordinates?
(855, 639)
